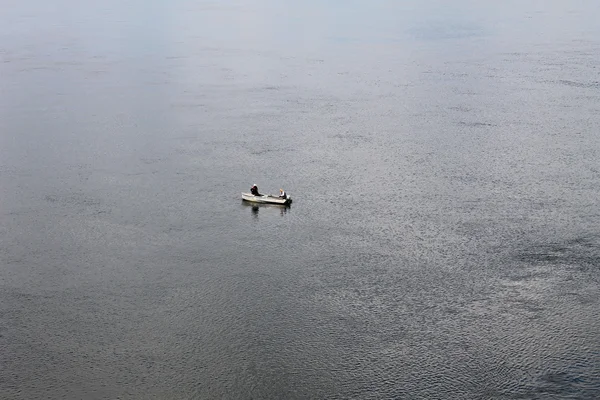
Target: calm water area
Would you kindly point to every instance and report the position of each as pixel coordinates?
(444, 162)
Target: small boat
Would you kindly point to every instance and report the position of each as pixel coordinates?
(266, 199)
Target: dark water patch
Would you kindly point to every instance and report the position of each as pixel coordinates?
(582, 298)
(583, 85)
(476, 124)
(151, 160)
(572, 384)
(353, 137)
(529, 275)
(516, 54)
(82, 203)
(532, 308)
(74, 199)
(188, 105)
(582, 253)
(267, 150)
(460, 108)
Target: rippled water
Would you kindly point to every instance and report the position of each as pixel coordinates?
(444, 164)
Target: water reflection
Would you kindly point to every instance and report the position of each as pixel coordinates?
(255, 208)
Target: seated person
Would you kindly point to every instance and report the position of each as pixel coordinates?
(282, 194)
(254, 190)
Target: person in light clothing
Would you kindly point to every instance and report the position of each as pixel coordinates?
(282, 194)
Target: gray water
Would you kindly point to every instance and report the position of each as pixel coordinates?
(443, 158)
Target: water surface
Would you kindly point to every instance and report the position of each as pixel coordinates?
(444, 164)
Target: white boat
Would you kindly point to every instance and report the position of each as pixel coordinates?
(266, 199)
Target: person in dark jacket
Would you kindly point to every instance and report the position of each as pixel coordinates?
(254, 190)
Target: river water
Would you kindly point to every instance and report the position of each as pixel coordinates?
(444, 161)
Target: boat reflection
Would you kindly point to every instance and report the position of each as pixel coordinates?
(255, 208)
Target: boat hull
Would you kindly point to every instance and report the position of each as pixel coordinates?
(266, 199)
